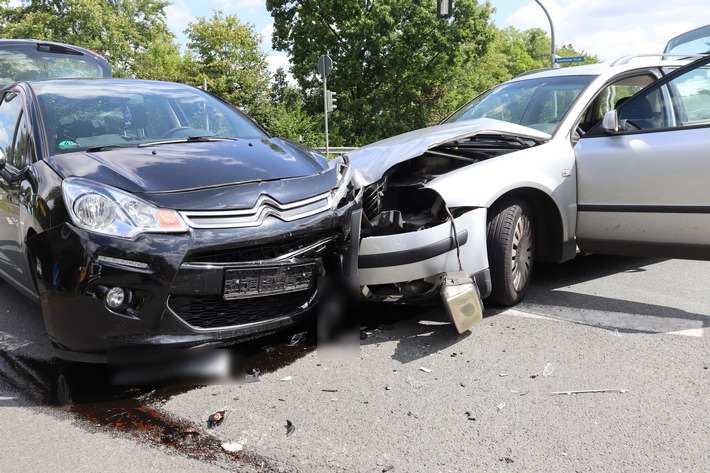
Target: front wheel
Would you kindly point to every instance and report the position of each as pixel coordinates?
(511, 251)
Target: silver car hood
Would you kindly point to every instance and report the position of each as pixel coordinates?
(372, 161)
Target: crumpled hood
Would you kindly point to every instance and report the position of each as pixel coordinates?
(190, 166)
(372, 161)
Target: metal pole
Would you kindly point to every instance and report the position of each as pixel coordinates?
(552, 33)
(325, 107)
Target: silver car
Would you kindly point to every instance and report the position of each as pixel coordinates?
(605, 158)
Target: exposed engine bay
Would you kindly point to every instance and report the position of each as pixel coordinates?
(399, 202)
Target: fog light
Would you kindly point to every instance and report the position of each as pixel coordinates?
(115, 298)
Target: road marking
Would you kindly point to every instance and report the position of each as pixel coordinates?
(615, 320)
(11, 343)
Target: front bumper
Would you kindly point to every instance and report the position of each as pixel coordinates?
(405, 257)
(177, 283)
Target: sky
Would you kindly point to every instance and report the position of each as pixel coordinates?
(606, 28)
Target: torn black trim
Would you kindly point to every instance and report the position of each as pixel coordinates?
(413, 255)
(657, 209)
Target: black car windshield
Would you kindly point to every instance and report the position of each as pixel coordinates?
(536, 103)
(108, 114)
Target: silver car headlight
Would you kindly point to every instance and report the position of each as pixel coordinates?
(345, 174)
(106, 210)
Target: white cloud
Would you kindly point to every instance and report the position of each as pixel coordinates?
(610, 28)
(177, 16)
(266, 33)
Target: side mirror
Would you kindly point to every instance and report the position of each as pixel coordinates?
(611, 121)
(8, 176)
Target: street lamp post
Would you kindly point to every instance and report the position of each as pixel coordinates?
(552, 33)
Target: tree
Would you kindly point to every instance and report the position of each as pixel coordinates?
(395, 62)
(228, 54)
(123, 31)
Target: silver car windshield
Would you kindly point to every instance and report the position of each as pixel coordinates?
(115, 113)
(536, 103)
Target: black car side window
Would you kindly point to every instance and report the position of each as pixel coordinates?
(10, 114)
(19, 146)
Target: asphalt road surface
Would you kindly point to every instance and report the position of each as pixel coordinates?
(604, 367)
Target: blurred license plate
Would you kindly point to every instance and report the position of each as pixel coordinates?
(253, 282)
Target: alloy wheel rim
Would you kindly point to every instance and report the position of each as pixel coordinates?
(521, 254)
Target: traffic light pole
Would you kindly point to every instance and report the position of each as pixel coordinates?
(552, 34)
(325, 109)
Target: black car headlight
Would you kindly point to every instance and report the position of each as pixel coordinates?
(344, 176)
(106, 210)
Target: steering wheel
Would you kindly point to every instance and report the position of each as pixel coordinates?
(171, 132)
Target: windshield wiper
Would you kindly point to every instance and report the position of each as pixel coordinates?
(188, 139)
(94, 149)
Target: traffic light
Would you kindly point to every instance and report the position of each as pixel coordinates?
(330, 100)
(444, 8)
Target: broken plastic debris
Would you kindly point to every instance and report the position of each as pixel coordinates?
(216, 419)
(500, 406)
(426, 370)
(591, 391)
(287, 378)
(503, 375)
(232, 446)
(254, 376)
(616, 333)
(290, 428)
(298, 338)
(548, 369)
(387, 388)
(414, 382)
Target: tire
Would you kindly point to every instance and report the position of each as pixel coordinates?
(511, 251)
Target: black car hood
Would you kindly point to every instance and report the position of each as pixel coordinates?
(205, 175)
(189, 166)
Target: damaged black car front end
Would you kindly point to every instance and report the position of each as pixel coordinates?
(157, 215)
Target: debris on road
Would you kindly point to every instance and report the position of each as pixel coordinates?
(216, 419)
(426, 370)
(253, 377)
(507, 460)
(414, 382)
(290, 428)
(470, 415)
(549, 369)
(387, 388)
(500, 406)
(503, 375)
(412, 415)
(591, 391)
(298, 338)
(387, 468)
(616, 333)
(287, 378)
(232, 447)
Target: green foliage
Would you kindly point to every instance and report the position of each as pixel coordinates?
(227, 53)
(395, 62)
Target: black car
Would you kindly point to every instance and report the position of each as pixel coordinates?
(32, 59)
(153, 214)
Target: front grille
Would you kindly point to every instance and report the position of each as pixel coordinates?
(265, 207)
(211, 312)
(267, 251)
